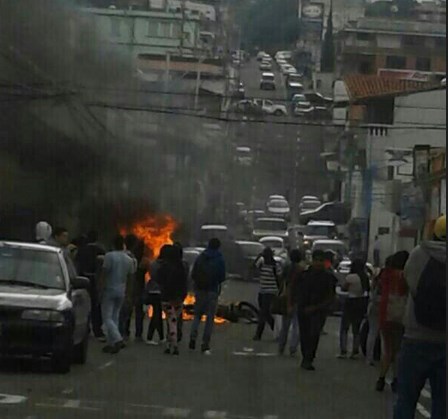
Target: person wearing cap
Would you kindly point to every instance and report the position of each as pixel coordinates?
(423, 351)
(315, 294)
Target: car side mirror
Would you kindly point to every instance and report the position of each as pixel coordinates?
(80, 283)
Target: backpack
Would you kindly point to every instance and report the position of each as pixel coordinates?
(430, 296)
(201, 273)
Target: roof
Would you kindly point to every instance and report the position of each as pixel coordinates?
(322, 241)
(214, 227)
(321, 223)
(368, 86)
(245, 242)
(271, 219)
(30, 246)
(271, 238)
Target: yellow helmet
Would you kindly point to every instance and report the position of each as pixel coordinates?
(440, 228)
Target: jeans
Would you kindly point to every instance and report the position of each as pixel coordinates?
(156, 322)
(206, 304)
(353, 315)
(110, 310)
(265, 316)
(310, 329)
(126, 316)
(374, 327)
(288, 321)
(421, 361)
(95, 314)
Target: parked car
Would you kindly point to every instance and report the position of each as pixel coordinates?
(293, 78)
(337, 246)
(288, 69)
(45, 307)
(319, 230)
(265, 66)
(309, 204)
(277, 244)
(261, 55)
(299, 98)
(270, 226)
(338, 212)
(309, 198)
(210, 231)
(317, 99)
(319, 113)
(274, 197)
(247, 107)
(303, 109)
(267, 81)
(279, 208)
(243, 156)
(271, 108)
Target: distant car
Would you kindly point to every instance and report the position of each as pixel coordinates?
(274, 197)
(317, 99)
(303, 109)
(319, 113)
(267, 81)
(44, 306)
(210, 231)
(247, 107)
(288, 69)
(309, 198)
(293, 78)
(338, 212)
(251, 250)
(271, 108)
(344, 267)
(265, 66)
(243, 156)
(309, 204)
(319, 230)
(281, 62)
(279, 208)
(337, 246)
(277, 244)
(241, 91)
(285, 55)
(270, 227)
(261, 55)
(299, 98)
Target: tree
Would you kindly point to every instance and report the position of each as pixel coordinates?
(328, 49)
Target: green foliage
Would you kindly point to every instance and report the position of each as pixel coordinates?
(269, 24)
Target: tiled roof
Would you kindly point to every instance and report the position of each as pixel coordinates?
(362, 87)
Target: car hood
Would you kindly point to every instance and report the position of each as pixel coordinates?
(27, 297)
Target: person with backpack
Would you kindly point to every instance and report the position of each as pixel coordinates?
(357, 285)
(172, 279)
(392, 304)
(209, 272)
(269, 287)
(423, 352)
(290, 319)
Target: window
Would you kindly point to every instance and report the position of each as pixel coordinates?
(176, 31)
(441, 43)
(115, 24)
(413, 41)
(396, 62)
(423, 64)
(153, 28)
(165, 30)
(362, 36)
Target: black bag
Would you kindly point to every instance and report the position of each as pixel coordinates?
(430, 297)
(201, 273)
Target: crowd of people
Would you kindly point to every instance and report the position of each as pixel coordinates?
(403, 304)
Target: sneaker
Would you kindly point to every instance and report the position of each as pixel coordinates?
(205, 348)
(192, 345)
(380, 384)
(307, 367)
(342, 356)
(394, 385)
(167, 351)
(207, 352)
(152, 342)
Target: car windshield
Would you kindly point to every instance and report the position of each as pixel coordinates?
(274, 244)
(251, 249)
(31, 267)
(271, 225)
(309, 205)
(337, 247)
(277, 203)
(294, 78)
(268, 77)
(317, 230)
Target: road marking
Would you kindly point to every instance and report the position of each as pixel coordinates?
(426, 394)
(68, 391)
(11, 399)
(270, 417)
(265, 354)
(175, 412)
(423, 411)
(248, 349)
(72, 404)
(212, 414)
(62, 406)
(106, 365)
(236, 353)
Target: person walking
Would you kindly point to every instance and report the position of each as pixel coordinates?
(392, 306)
(423, 352)
(373, 319)
(269, 287)
(357, 285)
(315, 294)
(117, 270)
(209, 272)
(87, 261)
(154, 297)
(172, 279)
(377, 252)
(290, 319)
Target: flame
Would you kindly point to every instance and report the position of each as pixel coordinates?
(190, 301)
(155, 231)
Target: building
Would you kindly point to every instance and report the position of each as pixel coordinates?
(410, 48)
(385, 120)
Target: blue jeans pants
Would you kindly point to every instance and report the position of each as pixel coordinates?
(288, 321)
(110, 310)
(421, 361)
(205, 305)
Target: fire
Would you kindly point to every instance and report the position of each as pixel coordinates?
(155, 231)
(188, 315)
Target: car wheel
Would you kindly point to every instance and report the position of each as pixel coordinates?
(62, 361)
(80, 351)
(278, 113)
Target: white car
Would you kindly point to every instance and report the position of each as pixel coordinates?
(243, 156)
(273, 197)
(319, 230)
(309, 204)
(288, 69)
(267, 81)
(277, 244)
(261, 55)
(303, 109)
(265, 66)
(270, 227)
(271, 108)
(281, 62)
(279, 208)
(210, 231)
(309, 198)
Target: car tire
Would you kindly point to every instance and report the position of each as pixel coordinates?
(81, 350)
(278, 113)
(62, 361)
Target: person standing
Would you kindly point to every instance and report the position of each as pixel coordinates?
(269, 287)
(377, 252)
(118, 269)
(373, 317)
(423, 352)
(87, 260)
(43, 232)
(315, 294)
(357, 285)
(290, 319)
(209, 272)
(392, 306)
(172, 279)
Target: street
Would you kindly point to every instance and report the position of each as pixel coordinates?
(242, 379)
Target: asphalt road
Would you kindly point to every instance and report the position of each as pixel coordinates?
(242, 379)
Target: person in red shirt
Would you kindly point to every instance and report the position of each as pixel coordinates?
(392, 307)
